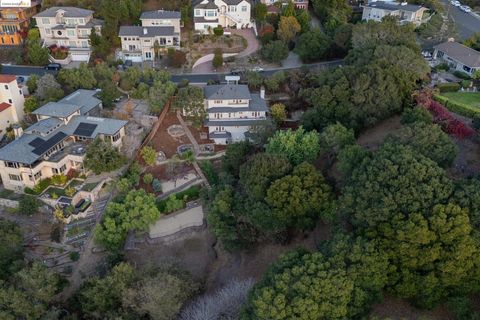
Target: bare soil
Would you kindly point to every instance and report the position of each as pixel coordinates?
(467, 162)
(164, 141)
(373, 137)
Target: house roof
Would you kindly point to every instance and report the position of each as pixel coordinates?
(7, 78)
(160, 14)
(70, 12)
(93, 23)
(44, 126)
(82, 100)
(208, 5)
(393, 6)
(227, 92)
(4, 106)
(256, 104)
(31, 146)
(146, 32)
(461, 53)
(233, 2)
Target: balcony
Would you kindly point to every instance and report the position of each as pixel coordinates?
(74, 149)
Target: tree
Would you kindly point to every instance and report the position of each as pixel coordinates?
(148, 178)
(102, 156)
(102, 297)
(78, 78)
(100, 45)
(332, 13)
(339, 282)
(235, 155)
(415, 115)
(300, 198)
(32, 83)
(288, 27)
(303, 18)
(136, 212)
(313, 46)
(149, 155)
(159, 94)
(161, 295)
(260, 12)
(349, 157)
(289, 9)
(36, 54)
(30, 294)
(48, 89)
(474, 41)
(260, 171)
(298, 146)
(428, 140)
(11, 248)
(217, 58)
(467, 195)
(278, 112)
(274, 51)
(28, 205)
(254, 79)
(274, 81)
(191, 100)
(31, 104)
(336, 137)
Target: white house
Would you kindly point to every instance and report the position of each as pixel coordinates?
(68, 27)
(160, 29)
(406, 13)
(210, 14)
(299, 4)
(232, 111)
(458, 56)
(11, 102)
(56, 143)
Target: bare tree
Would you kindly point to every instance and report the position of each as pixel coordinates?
(224, 304)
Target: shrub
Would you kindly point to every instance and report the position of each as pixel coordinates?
(28, 205)
(217, 58)
(174, 203)
(148, 178)
(416, 114)
(462, 75)
(218, 31)
(465, 83)
(462, 109)
(442, 66)
(70, 191)
(74, 256)
(209, 171)
(156, 185)
(40, 186)
(149, 155)
(56, 234)
(476, 122)
(448, 87)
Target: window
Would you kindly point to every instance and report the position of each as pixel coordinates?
(148, 55)
(232, 9)
(9, 164)
(84, 44)
(116, 137)
(125, 39)
(10, 101)
(72, 44)
(48, 31)
(20, 91)
(217, 101)
(198, 13)
(45, 21)
(81, 21)
(146, 40)
(63, 168)
(71, 33)
(15, 177)
(467, 69)
(244, 8)
(6, 87)
(211, 13)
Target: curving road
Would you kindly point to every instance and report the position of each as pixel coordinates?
(467, 23)
(192, 78)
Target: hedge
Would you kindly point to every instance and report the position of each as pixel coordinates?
(448, 87)
(460, 108)
(462, 75)
(185, 196)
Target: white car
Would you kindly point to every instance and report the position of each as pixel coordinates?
(257, 69)
(455, 3)
(466, 9)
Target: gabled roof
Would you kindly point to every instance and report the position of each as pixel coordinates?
(208, 5)
(160, 14)
(81, 99)
(57, 109)
(4, 106)
(227, 92)
(7, 78)
(461, 53)
(70, 12)
(146, 32)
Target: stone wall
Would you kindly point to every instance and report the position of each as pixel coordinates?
(8, 203)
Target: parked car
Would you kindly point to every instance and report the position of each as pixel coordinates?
(257, 69)
(53, 66)
(128, 63)
(466, 9)
(20, 79)
(236, 72)
(118, 99)
(455, 3)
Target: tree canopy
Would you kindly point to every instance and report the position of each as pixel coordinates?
(313, 46)
(102, 156)
(297, 146)
(190, 101)
(11, 248)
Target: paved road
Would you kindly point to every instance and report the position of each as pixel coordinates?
(467, 23)
(192, 78)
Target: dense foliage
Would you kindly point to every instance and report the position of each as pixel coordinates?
(102, 156)
(297, 146)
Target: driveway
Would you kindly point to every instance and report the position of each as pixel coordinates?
(466, 23)
(252, 47)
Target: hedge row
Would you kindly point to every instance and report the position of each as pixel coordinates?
(460, 108)
(448, 87)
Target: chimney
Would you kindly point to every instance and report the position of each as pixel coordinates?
(145, 31)
(451, 40)
(404, 3)
(262, 92)
(17, 130)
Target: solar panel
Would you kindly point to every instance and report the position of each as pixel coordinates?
(44, 147)
(85, 129)
(36, 142)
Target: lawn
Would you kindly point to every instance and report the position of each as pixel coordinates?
(471, 99)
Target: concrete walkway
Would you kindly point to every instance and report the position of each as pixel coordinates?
(176, 222)
(189, 134)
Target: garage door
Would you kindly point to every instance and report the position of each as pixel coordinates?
(132, 57)
(80, 56)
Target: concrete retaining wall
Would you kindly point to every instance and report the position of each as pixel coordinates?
(8, 203)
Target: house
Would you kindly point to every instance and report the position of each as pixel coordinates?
(233, 112)
(406, 13)
(299, 4)
(57, 142)
(14, 22)
(160, 30)
(11, 103)
(458, 56)
(210, 14)
(68, 27)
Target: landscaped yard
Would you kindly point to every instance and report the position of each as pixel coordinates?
(471, 99)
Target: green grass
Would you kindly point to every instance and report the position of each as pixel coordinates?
(471, 99)
(58, 191)
(89, 186)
